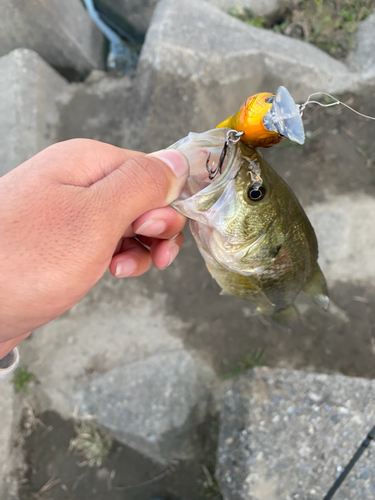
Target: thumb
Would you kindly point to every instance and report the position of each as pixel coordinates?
(143, 183)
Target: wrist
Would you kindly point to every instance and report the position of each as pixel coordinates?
(8, 345)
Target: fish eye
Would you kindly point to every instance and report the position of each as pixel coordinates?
(270, 100)
(256, 193)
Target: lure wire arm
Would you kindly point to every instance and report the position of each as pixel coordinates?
(232, 138)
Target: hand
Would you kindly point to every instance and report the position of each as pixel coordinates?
(70, 212)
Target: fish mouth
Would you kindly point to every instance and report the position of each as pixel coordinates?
(204, 151)
(284, 117)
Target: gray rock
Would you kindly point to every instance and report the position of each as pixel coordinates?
(287, 434)
(126, 345)
(346, 238)
(362, 56)
(137, 12)
(29, 89)
(60, 32)
(194, 74)
(65, 353)
(6, 419)
(153, 405)
(97, 109)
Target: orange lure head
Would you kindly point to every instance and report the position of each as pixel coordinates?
(266, 119)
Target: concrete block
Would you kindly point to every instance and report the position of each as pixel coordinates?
(97, 109)
(362, 56)
(29, 90)
(119, 355)
(194, 74)
(153, 405)
(346, 238)
(60, 32)
(115, 324)
(288, 434)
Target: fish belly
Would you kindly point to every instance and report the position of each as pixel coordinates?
(270, 291)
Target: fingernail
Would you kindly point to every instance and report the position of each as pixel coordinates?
(152, 227)
(173, 253)
(125, 268)
(175, 160)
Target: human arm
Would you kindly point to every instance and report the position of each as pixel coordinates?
(72, 211)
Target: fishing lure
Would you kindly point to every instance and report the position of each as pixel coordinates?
(266, 119)
(263, 120)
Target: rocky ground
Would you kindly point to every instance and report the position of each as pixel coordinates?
(170, 399)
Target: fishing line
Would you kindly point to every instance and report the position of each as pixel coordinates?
(365, 444)
(302, 107)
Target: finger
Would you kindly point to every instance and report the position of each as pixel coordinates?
(146, 240)
(118, 247)
(141, 184)
(81, 162)
(163, 252)
(132, 260)
(163, 223)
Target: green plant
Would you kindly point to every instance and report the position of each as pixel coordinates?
(92, 443)
(22, 378)
(252, 359)
(247, 17)
(258, 22)
(210, 488)
(211, 491)
(319, 5)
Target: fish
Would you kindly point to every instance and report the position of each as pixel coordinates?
(249, 226)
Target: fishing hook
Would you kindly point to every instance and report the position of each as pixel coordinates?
(229, 139)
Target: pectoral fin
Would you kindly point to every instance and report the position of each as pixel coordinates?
(287, 318)
(255, 286)
(316, 288)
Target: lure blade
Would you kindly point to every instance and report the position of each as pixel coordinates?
(284, 117)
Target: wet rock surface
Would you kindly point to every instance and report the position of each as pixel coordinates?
(287, 434)
(61, 33)
(125, 473)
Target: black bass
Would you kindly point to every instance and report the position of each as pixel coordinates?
(251, 230)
